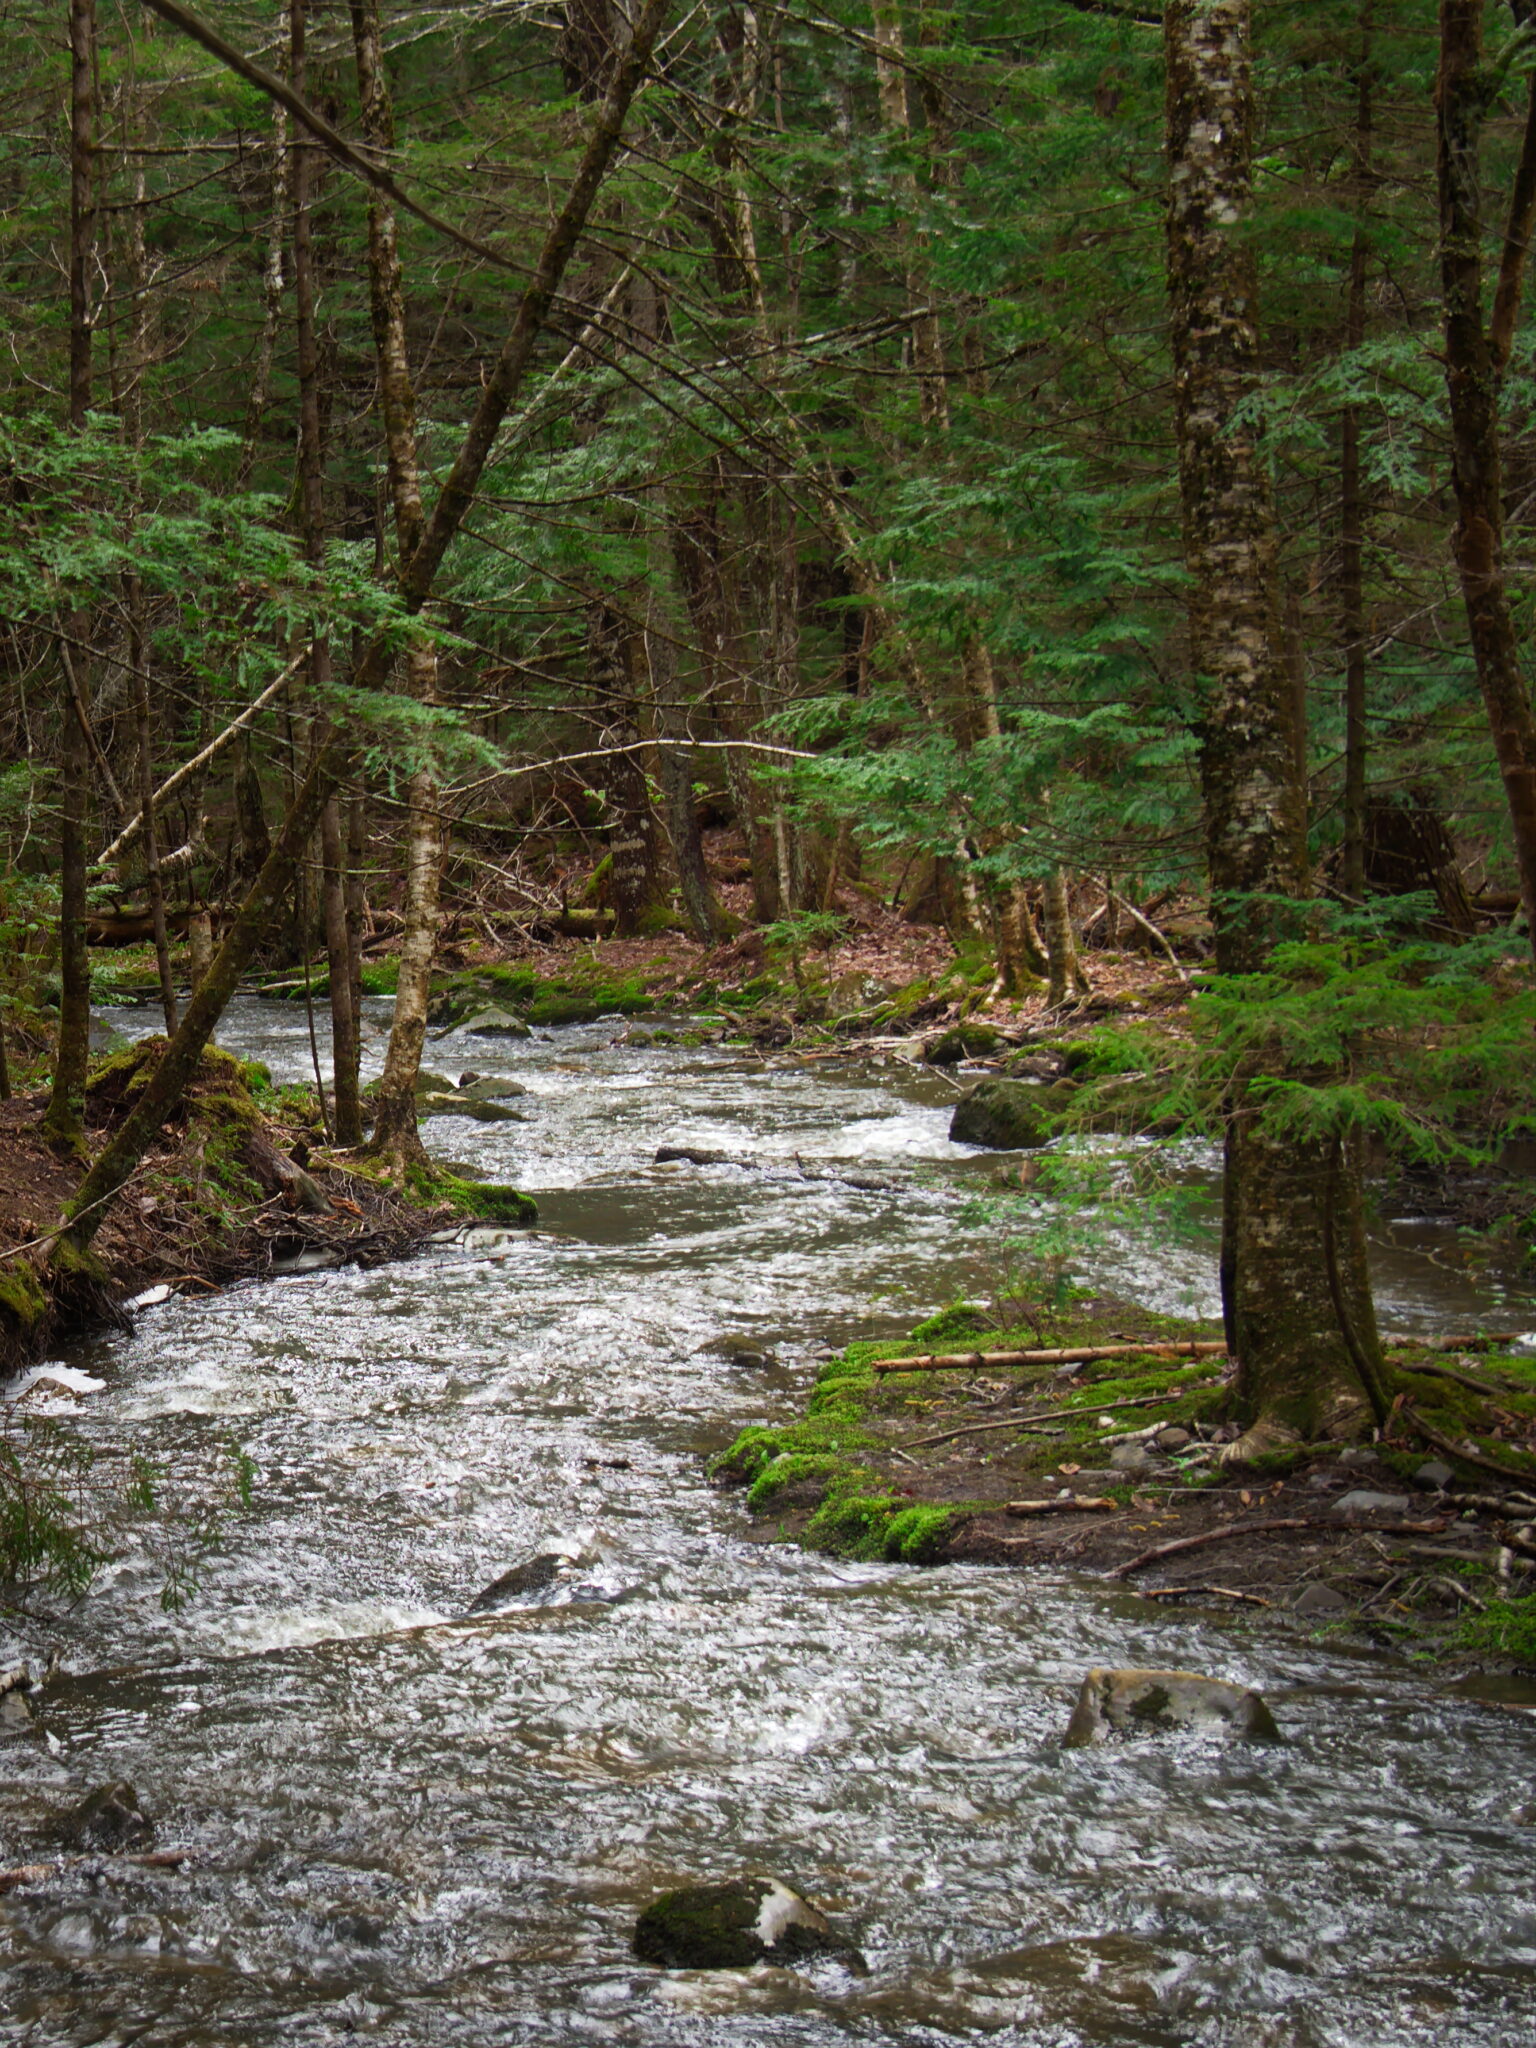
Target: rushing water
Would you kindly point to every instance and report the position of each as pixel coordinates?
(422, 1828)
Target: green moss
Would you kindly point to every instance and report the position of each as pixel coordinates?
(23, 1303)
(379, 977)
(961, 1319)
(487, 1201)
(1506, 1629)
(789, 1469)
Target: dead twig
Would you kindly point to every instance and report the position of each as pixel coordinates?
(1087, 1354)
(1226, 1593)
(1272, 1525)
(1071, 1506)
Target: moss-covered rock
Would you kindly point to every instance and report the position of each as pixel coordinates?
(1006, 1116)
(963, 1042)
(731, 1926)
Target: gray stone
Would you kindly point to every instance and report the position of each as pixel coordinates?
(456, 1104)
(1005, 1116)
(494, 1022)
(1319, 1600)
(692, 1155)
(1158, 1702)
(14, 1711)
(1173, 1440)
(1359, 1454)
(731, 1926)
(1434, 1475)
(109, 1817)
(1133, 1458)
(1361, 1501)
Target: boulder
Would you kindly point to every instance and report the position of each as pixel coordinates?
(428, 1083)
(1158, 1702)
(490, 1087)
(494, 1022)
(1005, 1116)
(457, 1104)
(962, 1042)
(731, 1926)
(109, 1817)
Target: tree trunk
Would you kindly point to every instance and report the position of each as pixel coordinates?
(348, 1128)
(1065, 968)
(395, 1133)
(63, 1118)
(338, 956)
(1352, 494)
(1475, 359)
(1295, 1354)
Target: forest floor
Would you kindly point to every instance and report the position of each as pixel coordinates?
(1113, 1466)
(233, 1190)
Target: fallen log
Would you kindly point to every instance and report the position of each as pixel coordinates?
(1084, 1354)
(1073, 1506)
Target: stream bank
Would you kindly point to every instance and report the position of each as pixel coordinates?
(238, 1187)
(1419, 1535)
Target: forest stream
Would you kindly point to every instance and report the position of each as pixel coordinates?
(420, 1827)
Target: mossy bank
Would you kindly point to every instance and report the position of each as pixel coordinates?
(1418, 1535)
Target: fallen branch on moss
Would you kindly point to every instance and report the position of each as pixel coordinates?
(1094, 1503)
(1085, 1354)
(1490, 1388)
(1421, 1428)
(1022, 1422)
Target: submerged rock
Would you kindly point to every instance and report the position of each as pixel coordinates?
(1005, 1116)
(109, 1817)
(731, 1926)
(533, 1575)
(738, 1351)
(472, 1106)
(1158, 1702)
(693, 1155)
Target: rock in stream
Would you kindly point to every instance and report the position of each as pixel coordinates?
(731, 1926)
(1159, 1702)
